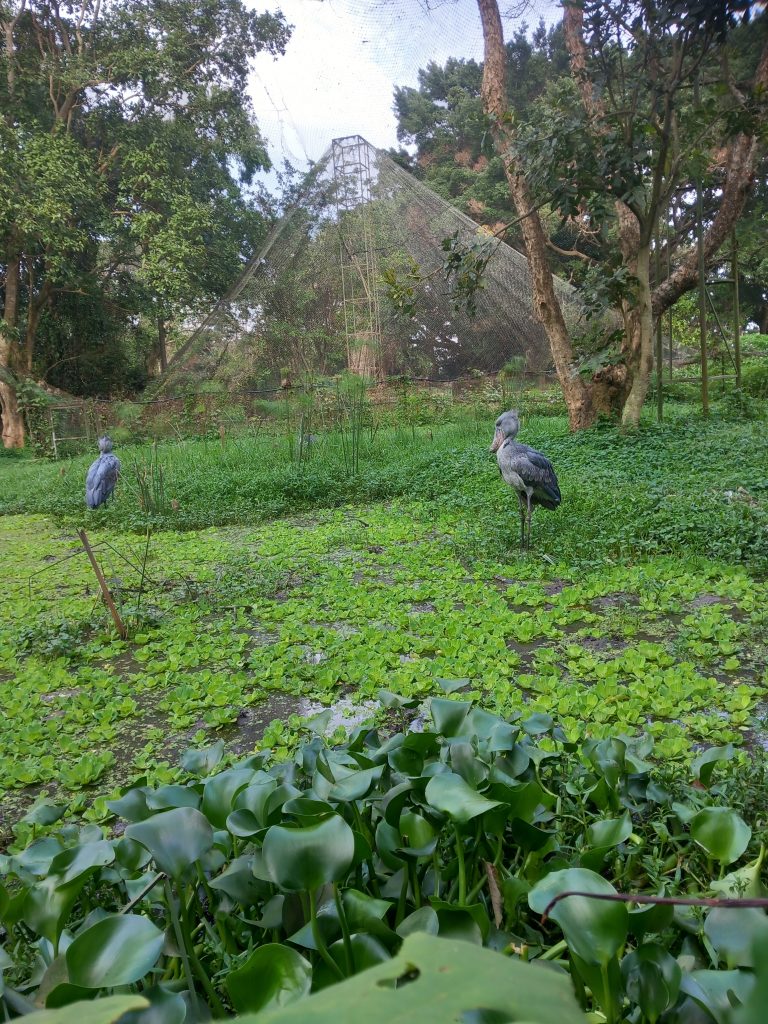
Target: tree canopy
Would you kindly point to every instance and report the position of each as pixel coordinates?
(129, 143)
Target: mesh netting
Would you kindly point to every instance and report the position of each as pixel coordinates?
(314, 302)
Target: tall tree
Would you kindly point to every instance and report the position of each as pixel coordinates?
(613, 165)
(127, 137)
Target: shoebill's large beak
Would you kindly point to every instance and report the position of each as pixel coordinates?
(498, 437)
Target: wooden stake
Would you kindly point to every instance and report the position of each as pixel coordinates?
(122, 632)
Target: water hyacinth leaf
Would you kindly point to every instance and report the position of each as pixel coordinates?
(422, 920)
(356, 785)
(38, 856)
(243, 823)
(132, 805)
(718, 992)
(176, 839)
(450, 794)
(165, 1007)
(362, 910)
(273, 975)
(704, 765)
(453, 685)
(609, 831)
(131, 855)
(164, 798)
(304, 809)
(45, 814)
(306, 857)
(732, 932)
(220, 792)
(744, 882)
(538, 724)
(529, 837)
(238, 881)
(117, 950)
(594, 929)
(203, 760)
(446, 979)
(79, 860)
(254, 798)
(652, 979)
(448, 715)
(101, 1011)
(46, 905)
(650, 920)
(721, 832)
(752, 1011)
(366, 951)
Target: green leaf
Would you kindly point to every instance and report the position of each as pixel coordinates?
(703, 765)
(176, 839)
(450, 794)
(220, 792)
(422, 920)
(609, 832)
(652, 979)
(117, 950)
(721, 832)
(204, 760)
(732, 932)
(448, 715)
(78, 860)
(273, 975)
(434, 979)
(594, 929)
(306, 857)
(102, 1011)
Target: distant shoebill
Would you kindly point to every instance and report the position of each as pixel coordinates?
(525, 470)
(102, 476)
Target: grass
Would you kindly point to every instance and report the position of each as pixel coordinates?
(639, 608)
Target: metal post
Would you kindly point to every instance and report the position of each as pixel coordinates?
(736, 311)
(702, 282)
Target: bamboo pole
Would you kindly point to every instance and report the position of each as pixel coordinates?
(122, 632)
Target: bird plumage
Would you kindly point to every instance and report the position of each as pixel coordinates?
(102, 475)
(526, 470)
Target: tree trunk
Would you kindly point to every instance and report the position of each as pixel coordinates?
(639, 353)
(578, 399)
(162, 343)
(10, 414)
(11, 418)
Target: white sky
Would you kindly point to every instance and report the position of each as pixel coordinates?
(344, 59)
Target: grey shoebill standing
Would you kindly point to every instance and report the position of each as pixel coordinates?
(102, 476)
(527, 472)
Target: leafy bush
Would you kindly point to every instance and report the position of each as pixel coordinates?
(754, 379)
(248, 888)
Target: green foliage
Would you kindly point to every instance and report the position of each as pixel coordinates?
(467, 829)
(125, 161)
(754, 379)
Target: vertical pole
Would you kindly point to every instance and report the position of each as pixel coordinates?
(669, 273)
(702, 282)
(659, 352)
(736, 311)
(122, 632)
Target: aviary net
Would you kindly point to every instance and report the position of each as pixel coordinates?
(314, 301)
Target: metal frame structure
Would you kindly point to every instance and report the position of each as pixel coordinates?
(353, 172)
